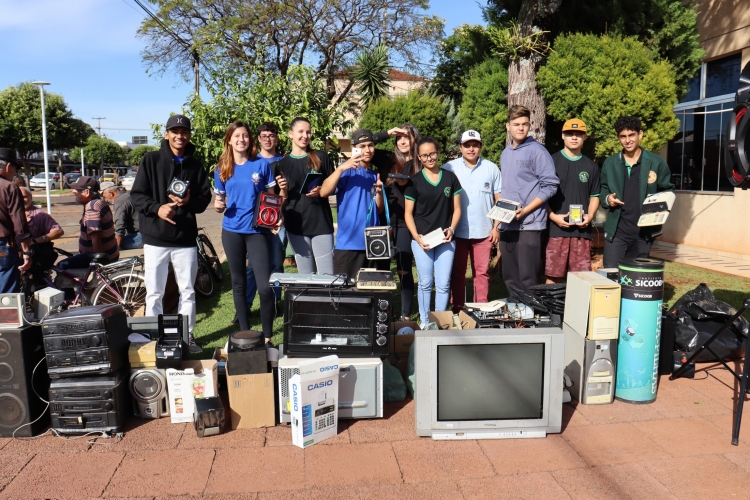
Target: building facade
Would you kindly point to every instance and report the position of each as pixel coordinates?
(705, 214)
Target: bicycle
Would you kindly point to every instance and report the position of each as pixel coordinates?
(209, 267)
(118, 283)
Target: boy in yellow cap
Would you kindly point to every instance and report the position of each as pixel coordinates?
(569, 247)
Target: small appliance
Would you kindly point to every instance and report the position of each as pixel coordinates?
(267, 211)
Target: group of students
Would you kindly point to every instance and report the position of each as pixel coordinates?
(438, 214)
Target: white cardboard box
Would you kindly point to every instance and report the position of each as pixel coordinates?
(197, 379)
(314, 397)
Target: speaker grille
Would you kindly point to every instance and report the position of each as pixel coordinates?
(5, 348)
(12, 411)
(6, 372)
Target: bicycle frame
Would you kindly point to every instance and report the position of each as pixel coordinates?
(103, 278)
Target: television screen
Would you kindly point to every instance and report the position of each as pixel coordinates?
(490, 381)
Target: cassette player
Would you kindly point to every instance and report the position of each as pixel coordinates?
(87, 404)
(95, 361)
(102, 318)
(74, 342)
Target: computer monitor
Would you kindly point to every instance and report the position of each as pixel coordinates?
(489, 383)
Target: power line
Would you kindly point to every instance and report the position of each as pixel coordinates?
(99, 121)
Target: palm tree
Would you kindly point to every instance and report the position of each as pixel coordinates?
(371, 74)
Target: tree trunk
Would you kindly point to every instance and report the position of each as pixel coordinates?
(533, 17)
(522, 90)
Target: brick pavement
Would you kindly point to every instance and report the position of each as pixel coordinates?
(677, 447)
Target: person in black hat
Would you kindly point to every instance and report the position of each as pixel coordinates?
(14, 230)
(353, 183)
(167, 222)
(97, 225)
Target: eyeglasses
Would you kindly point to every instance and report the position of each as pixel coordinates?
(267, 137)
(429, 156)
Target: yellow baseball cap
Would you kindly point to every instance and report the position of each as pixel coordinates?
(574, 124)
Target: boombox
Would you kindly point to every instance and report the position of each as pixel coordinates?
(86, 404)
(12, 306)
(267, 211)
(86, 341)
(378, 242)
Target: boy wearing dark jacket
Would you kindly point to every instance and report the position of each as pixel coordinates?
(167, 222)
(627, 179)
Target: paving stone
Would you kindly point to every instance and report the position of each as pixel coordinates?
(690, 436)
(10, 465)
(627, 481)
(442, 490)
(64, 475)
(237, 470)
(48, 444)
(342, 493)
(239, 438)
(351, 465)
(612, 444)
(682, 402)
(144, 434)
(572, 417)
(619, 412)
(709, 476)
(740, 459)
(281, 435)
(161, 472)
(427, 461)
(519, 456)
(397, 424)
(538, 485)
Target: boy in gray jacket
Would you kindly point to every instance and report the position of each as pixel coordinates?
(528, 178)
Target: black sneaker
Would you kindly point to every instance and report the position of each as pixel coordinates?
(193, 348)
(279, 309)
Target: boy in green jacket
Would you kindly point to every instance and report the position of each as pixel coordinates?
(627, 179)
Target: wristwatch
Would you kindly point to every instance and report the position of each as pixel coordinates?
(30, 253)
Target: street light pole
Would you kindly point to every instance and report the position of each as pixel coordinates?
(44, 144)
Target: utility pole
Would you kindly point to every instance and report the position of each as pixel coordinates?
(196, 66)
(101, 152)
(99, 123)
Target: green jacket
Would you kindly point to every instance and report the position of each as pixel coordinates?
(655, 178)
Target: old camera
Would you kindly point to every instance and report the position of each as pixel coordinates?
(178, 187)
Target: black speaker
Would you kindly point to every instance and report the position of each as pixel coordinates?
(737, 152)
(20, 351)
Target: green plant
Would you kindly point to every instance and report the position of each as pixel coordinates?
(510, 41)
(371, 74)
(600, 78)
(98, 150)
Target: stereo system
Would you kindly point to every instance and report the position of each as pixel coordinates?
(267, 211)
(344, 321)
(378, 243)
(89, 404)
(86, 341)
(23, 382)
(148, 386)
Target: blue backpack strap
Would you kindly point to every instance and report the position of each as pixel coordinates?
(370, 209)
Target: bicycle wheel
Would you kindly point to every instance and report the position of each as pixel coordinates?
(204, 280)
(127, 289)
(211, 257)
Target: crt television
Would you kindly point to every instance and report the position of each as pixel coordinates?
(489, 383)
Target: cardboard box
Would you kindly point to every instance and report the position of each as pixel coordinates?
(314, 399)
(444, 320)
(196, 379)
(142, 354)
(251, 397)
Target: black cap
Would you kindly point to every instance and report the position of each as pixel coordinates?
(9, 155)
(362, 135)
(178, 121)
(85, 182)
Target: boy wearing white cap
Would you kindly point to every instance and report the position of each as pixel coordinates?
(475, 233)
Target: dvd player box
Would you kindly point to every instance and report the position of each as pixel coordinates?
(314, 395)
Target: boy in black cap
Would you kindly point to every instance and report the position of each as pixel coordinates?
(353, 183)
(14, 230)
(167, 222)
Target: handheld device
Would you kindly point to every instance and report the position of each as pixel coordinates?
(178, 187)
(312, 180)
(576, 214)
(504, 211)
(399, 176)
(356, 151)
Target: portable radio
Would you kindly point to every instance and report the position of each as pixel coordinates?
(267, 211)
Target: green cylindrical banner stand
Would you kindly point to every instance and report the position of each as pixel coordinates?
(642, 282)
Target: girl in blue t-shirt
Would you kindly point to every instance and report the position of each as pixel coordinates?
(239, 177)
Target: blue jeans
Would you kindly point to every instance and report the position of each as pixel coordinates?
(10, 276)
(437, 261)
(131, 241)
(278, 254)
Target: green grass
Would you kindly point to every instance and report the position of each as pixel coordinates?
(60, 191)
(213, 321)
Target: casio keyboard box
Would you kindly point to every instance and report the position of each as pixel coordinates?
(86, 341)
(592, 305)
(591, 366)
(90, 404)
(314, 394)
(360, 387)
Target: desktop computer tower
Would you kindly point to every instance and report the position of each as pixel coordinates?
(591, 366)
(360, 387)
(592, 305)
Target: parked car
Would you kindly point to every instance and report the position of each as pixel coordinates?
(127, 181)
(109, 177)
(70, 178)
(38, 181)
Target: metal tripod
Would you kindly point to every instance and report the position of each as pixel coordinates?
(742, 378)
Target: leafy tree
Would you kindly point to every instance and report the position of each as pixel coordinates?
(279, 34)
(484, 106)
(136, 155)
(255, 95)
(98, 148)
(466, 47)
(21, 122)
(426, 112)
(371, 74)
(599, 79)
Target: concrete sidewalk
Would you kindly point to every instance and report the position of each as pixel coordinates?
(713, 260)
(677, 447)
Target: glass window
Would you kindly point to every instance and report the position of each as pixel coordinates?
(694, 89)
(723, 75)
(693, 150)
(712, 149)
(675, 153)
(724, 184)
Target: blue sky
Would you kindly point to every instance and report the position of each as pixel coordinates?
(88, 51)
